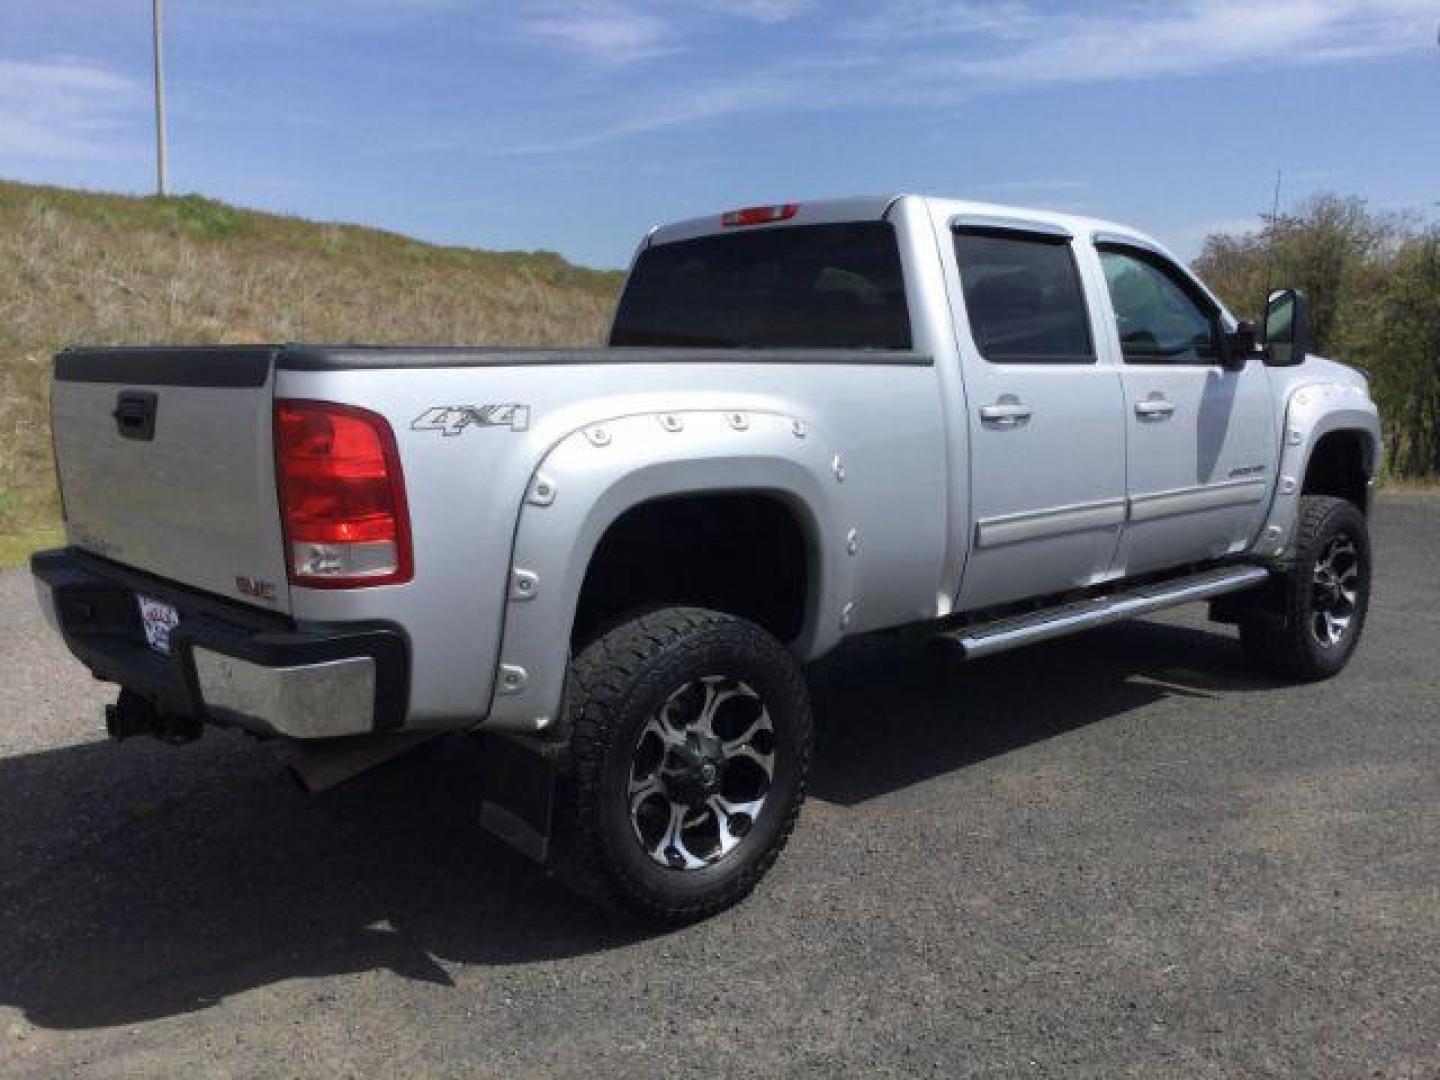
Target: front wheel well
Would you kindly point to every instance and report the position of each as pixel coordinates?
(743, 553)
(1338, 467)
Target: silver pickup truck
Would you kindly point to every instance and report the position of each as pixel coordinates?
(812, 421)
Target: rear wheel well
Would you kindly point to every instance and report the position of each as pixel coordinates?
(1337, 467)
(744, 553)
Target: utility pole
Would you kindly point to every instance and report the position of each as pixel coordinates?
(160, 186)
(1270, 245)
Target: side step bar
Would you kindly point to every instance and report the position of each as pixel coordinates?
(993, 637)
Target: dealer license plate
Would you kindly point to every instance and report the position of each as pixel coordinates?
(158, 619)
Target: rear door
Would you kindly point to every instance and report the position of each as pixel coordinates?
(166, 464)
(1047, 443)
(1200, 439)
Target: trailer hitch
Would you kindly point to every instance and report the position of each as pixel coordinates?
(134, 714)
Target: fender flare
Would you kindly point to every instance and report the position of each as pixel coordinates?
(599, 472)
(1314, 411)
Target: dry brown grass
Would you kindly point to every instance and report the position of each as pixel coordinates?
(107, 269)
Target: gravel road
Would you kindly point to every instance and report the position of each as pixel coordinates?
(1117, 855)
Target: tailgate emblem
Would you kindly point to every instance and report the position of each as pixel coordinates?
(453, 419)
(260, 590)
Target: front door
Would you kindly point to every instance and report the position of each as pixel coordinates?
(1201, 444)
(1047, 441)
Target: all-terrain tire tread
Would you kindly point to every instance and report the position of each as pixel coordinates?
(601, 678)
(1280, 645)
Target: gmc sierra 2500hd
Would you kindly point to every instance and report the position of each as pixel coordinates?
(812, 421)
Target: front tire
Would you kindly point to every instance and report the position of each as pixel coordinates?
(1325, 596)
(690, 737)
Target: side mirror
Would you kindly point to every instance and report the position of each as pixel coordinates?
(1238, 346)
(1287, 322)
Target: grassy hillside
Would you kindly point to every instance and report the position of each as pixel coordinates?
(107, 269)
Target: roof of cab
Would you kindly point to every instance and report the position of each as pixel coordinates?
(875, 207)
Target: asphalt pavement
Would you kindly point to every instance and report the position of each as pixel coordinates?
(1118, 855)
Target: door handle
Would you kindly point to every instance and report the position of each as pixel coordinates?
(135, 414)
(1154, 407)
(1008, 411)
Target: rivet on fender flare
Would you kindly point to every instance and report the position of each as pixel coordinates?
(799, 428)
(524, 584)
(598, 436)
(513, 679)
(852, 541)
(838, 468)
(671, 422)
(738, 420)
(847, 616)
(542, 491)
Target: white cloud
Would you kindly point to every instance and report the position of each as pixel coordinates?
(1033, 185)
(917, 20)
(937, 53)
(705, 103)
(63, 108)
(765, 11)
(617, 32)
(1016, 46)
(605, 31)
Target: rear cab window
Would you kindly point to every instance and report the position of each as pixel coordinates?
(1023, 296)
(833, 285)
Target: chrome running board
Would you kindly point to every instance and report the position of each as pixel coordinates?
(986, 638)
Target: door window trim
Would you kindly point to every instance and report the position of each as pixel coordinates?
(1043, 232)
(998, 223)
(1154, 257)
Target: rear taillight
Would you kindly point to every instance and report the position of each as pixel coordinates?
(342, 496)
(759, 215)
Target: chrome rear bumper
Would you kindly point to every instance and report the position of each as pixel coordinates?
(306, 701)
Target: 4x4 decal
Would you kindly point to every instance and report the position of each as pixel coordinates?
(453, 419)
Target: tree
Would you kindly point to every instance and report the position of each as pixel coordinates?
(1373, 281)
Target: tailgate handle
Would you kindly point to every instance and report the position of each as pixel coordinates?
(135, 414)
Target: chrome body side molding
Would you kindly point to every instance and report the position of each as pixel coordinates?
(1035, 525)
(1113, 513)
(1158, 504)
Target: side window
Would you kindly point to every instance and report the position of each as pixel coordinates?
(1023, 297)
(1159, 319)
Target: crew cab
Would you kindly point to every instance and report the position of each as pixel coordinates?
(812, 421)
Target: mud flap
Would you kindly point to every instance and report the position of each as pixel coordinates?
(1264, 603)
(518, 784)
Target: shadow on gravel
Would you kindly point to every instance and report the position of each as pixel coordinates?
(144, 881)
(891, 713)
(141, 881)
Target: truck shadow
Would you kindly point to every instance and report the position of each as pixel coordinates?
(140, 881)
(891, 713)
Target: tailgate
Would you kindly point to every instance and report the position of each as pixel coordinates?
(166, 463)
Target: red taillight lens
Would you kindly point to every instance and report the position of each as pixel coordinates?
(759, 215)
(342, 496)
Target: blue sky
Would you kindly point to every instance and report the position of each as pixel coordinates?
(573, 126)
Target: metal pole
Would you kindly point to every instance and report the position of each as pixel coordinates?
(1270, 240)
(160, 186)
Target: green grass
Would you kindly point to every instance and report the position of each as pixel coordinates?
(1425, 484)
(16, 548)
(91, 267)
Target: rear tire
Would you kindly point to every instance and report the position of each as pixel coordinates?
(1324, 596)
(690, 737)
